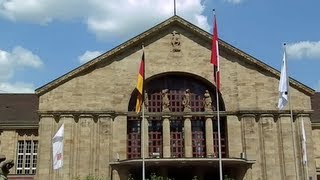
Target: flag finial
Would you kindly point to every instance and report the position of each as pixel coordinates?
(174, 7)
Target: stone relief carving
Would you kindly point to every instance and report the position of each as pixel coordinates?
(175, 42)
(5, 166)
(84, 122)
(207, 102)
(165, 100)
(186, 101)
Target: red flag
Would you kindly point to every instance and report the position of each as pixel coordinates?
(215, 55)
(140, 85)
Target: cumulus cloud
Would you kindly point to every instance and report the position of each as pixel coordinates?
(234, 1)
(10, 62)
(88, 55)
(19, 87)
(106, 19)
(304, 49)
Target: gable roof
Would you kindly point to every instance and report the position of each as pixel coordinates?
(174, 20)
(19, 110)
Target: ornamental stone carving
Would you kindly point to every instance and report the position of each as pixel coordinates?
(186, 102)
(175, 41)
(207, 102)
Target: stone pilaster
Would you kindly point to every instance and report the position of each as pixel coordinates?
(166, 137)
(104, 136)
(187, 136)
(119, 138)
(288, 152)
(85, 145)
(270, 147)
(46, 132)
(209, 137)
(234, 136)
(251, 144)
(68, 155)
(310, 167)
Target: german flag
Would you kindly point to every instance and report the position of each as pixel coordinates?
(140, 85)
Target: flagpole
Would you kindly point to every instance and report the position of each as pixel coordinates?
(219, 135)
(291, 116)
(142, 139)
(142, 122)
(216, 69)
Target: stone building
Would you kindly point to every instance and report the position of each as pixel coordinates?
(96, 103)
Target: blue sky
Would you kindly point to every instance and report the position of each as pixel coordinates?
(40, 40)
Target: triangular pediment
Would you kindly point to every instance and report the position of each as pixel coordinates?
(141, 38)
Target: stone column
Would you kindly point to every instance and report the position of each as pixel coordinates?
(166, 137)
(289, 157)
(309, 145)
(85, 163)
(235, 144)
(187, 136)
(104, 133)
(209, 137)
(46, 132)
(67, 169)
(270, 147)
(146, 136)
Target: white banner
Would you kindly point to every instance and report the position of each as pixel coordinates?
(57, 148)
(283, 84)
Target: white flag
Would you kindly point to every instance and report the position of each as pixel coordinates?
(57, 148)
(304, 144)
(283, 84)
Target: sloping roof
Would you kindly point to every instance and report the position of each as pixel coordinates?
(315, 104)
(19, 110)
(139, 39)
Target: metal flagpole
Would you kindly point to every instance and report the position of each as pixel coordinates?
(219, 135)
(142, 121)
(291, 116)
(142, 139)
(174, 6)
(217, 80)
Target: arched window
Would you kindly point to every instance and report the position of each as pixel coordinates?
(175, 85)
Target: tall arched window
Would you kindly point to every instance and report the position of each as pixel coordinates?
(176, 85)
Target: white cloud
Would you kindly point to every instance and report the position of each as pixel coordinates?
(10, 62)
(106, 19)
(19, 87)
(304, 49)
(88, 55)
(234, 1)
